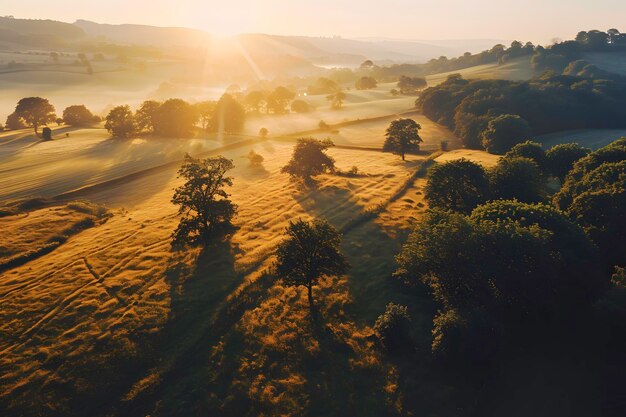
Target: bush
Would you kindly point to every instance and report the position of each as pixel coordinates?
(517, 178)
(560, 159)
(393, 327)
(458, 185)
(531, 150)
(504, 132)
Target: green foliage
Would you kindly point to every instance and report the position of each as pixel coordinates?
(410, 85)
(78, 115)
(504, 132)
(402, 136)
(531, 150)
(594, 195)
(309, 252)
(323, 86)
(309, 159)
(229, 115)
(336, 99)
(146, 115)
(393, 327)
(120, 122)
(15, 122)
(206, 211)
(366, 83)
(174, 118)
(517, 178)
(458, 185)
(35, 111)
(278, 99)
(560, 159)
(517, 258)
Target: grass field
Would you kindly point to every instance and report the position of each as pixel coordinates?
(517, 69)
(590, 138)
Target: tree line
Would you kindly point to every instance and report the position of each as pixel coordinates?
(496, 114)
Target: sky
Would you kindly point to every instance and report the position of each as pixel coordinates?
(539, 21)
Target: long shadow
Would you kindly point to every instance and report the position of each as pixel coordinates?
(201, 314)
(337, 387)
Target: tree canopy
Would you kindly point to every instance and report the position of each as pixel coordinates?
(35, 112)
(402, 136)
(205, 209)
(309, 252)
(78, 115)
(309, 158)
(458, 185)
(120, 122)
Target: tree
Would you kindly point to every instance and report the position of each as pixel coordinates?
(35, 111)
(402, 137)
(15, 122)
(255, 159)
(521, 264)
(263, 132)
(175, 118)
(309, 158)
(229, 115)
(253, 101)
(597, 202)
(205, 110)
(205, 208)
(323, 86)
(366, 83)
(59, 121)
(309, 252)
(367, 64)
(458, 185)
(336, 99)
(300, 106)
(410, 85)
(531, 150)
(120, 122)
(517, 178)
(77, 115)
(504, 132)
(146, 115)
(393, 327)
(560, 159)
(279, 98)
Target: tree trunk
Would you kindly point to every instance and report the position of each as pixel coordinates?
(403, 156)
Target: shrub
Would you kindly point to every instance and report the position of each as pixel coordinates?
(393, 327)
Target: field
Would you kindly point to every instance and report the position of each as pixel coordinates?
(517, 69)
(112, 298)
(590, 138)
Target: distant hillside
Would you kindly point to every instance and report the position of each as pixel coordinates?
(37, 33)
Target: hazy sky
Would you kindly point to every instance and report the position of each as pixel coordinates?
(535, 20)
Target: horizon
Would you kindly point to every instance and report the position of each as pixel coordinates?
(483, 20)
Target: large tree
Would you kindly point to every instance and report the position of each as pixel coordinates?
(120, 122)
(175, 118)
(410, 85)
(309, 252)
(336, 99)
(458, 185)
(560, 159)
(146, 115)
(229, 115)
(35, 111)
(78, 115)
(278, 99)
(517, 178)
(402, 137)
(205, 209)
(504, 132)
(309, 159)
(366, 83)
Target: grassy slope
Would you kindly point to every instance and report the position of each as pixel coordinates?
(590, 138)
(107, 289)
